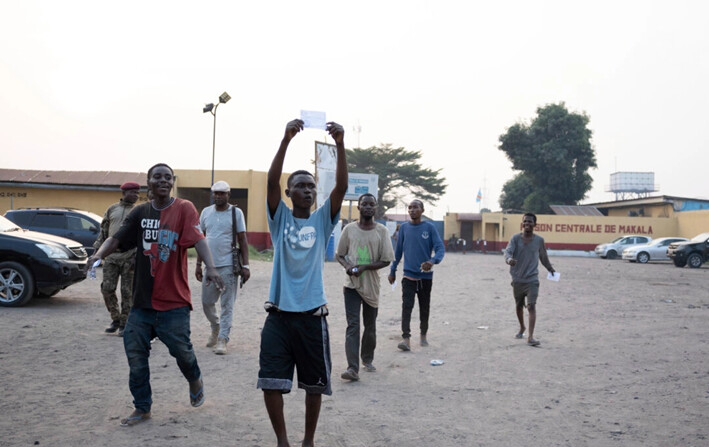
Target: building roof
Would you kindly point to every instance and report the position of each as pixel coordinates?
(470, 217)
(656, 200)
(402, 217)
(81, 179)
(575, 210)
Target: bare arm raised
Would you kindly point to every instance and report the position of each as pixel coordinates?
(338, 193)
(273, 190)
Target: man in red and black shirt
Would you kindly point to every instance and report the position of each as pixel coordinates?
(162, 230)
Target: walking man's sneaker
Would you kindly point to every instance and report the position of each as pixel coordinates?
(404, 345)
(121, 329)
(350, 374)
(369, 367)
(113, 327)
(212, 342)
(424, 342)
(221, 346)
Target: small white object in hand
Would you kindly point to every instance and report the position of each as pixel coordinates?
(92, 272)
(554, 276)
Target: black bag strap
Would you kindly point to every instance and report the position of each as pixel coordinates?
(233, 227)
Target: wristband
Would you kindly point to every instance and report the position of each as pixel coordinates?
(245, 266)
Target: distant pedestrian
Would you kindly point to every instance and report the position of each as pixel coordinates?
(120, 264)
(523, 253)
(422, 247)
(461, 244)
(364, 248)
(221, 223)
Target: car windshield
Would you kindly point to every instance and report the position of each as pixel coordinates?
(700, 237)
(7, 225)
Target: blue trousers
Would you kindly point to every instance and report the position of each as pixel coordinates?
(172, 327)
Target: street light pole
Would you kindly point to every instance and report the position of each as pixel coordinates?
(212, 108)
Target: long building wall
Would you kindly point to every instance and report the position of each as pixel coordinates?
(692, 223)
(83, 199)
(583, 232)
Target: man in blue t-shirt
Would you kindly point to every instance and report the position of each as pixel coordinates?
(417, 240)
(295, 334)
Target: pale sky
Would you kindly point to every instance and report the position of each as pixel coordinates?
(119, 86)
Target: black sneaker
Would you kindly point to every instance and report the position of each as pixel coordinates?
(113, 327)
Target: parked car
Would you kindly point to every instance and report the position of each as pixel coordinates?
(694, 252)
(76, 225)
(656, 250)
(612, 249)
(34, 264)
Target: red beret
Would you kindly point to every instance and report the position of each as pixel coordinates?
(130, 185)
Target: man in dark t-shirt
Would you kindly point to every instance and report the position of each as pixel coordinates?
(162, 230)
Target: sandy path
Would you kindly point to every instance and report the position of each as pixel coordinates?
(623, 361)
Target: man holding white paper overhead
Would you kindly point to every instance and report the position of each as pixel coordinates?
(523, 254)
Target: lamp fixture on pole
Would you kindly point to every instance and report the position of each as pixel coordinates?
(212, 108)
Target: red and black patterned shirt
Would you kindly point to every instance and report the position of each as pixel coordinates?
(162, 238)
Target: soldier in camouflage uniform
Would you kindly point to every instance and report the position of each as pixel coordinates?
(118, 264)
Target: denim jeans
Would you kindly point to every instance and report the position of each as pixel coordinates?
(210, 296)
(353, 301)
(409, 290)
(172, 327)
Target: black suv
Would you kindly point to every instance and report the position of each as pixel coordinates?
(694, 252)
(34, 263)
(78, 225)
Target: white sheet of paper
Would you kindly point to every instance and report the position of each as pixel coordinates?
(313, 119)
(554, 277)
(393, 286)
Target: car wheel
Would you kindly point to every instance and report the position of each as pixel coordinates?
(695, 260)
(16, 284)
(679, 263)
(643, 257)
(611, 254)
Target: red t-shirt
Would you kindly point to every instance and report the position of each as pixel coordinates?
(162, 238)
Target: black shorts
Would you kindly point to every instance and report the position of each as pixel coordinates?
(295, 340)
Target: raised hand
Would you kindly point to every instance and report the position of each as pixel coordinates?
(292, 128)
(336, 131)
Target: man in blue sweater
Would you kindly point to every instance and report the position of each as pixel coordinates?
(417, 240)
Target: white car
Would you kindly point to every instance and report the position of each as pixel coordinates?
(654, 251)
(614, 248)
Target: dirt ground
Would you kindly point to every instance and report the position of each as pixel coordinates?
(623, 362)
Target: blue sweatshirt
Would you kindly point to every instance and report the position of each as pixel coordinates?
(416, 243)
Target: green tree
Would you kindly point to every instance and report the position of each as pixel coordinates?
(553, 154)
(400, 174)
(514, 192)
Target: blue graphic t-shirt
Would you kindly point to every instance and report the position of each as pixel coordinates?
(298, 258)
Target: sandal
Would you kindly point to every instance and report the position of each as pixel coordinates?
(533, 342)
(135, 418)
(197, 399)
(519, 335)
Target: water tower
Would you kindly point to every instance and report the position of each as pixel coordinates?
(632, 185)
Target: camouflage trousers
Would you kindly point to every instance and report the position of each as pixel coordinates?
(112, 270)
